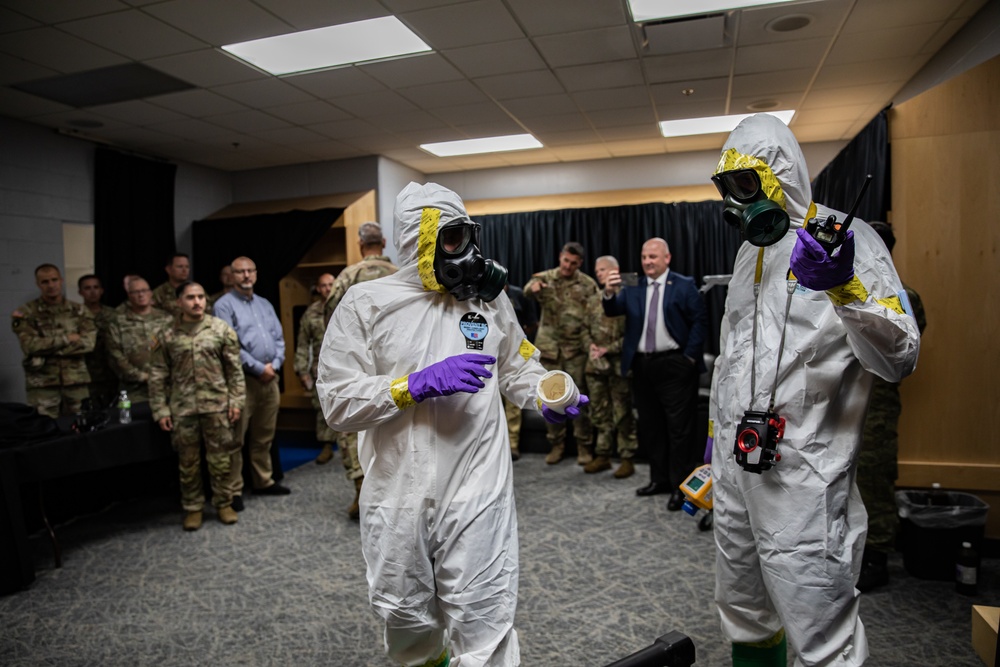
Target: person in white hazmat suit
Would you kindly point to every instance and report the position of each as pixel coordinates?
(790, 538)
(404, 362)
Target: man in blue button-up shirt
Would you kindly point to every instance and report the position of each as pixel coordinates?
(262, 351)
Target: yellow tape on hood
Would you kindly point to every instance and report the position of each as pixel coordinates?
(732, 160)
(426, 247)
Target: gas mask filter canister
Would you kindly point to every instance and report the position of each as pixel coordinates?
(761, 221)
(460, 267)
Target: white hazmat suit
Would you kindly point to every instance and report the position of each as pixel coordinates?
(790, 539)
(438, 523)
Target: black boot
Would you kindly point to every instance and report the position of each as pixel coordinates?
(874, 570)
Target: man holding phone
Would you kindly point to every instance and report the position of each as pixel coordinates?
(665, 329)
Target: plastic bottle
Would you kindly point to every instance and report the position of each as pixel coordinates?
(967, 570)
(936, 496)
(124, 408)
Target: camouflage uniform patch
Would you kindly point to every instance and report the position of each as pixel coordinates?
(131, 339)
(217, 433)
(610, 394)
(165, 298)
(307, 347)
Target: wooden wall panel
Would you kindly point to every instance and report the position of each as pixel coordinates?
(946, 213)
(592, 199)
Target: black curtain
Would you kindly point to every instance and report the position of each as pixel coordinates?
(133, 219)
(838, 185)
(701, 243)
(276, 242)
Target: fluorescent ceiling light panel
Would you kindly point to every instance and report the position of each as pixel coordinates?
(651, 10)
(511, 142)
(713, 124)
(361, 41)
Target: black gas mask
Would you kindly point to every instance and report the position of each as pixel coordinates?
(761, 221)
(459, 266)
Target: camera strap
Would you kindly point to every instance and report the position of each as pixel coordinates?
(791, 284)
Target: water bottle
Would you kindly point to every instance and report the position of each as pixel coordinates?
(124, 408)
(966, 570)
(937, 497)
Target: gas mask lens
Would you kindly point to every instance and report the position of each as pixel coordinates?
(454, 238)
(761, 221)
(460, 267)
(742, 184)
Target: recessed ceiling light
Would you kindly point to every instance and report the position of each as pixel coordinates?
(789, 23)
(322, 48)
(651, 10)
(687, 92)
(511, 142)
(763, 105)
(712, 124)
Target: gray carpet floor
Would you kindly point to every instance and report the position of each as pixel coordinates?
(603, 574)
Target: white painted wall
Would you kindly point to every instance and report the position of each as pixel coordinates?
(198, 193)
(392, 178)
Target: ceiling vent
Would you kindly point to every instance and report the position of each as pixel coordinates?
(695, 33)
(104, 86)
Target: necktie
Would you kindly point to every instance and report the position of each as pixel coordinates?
(654, 305)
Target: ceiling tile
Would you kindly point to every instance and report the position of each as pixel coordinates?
(333, 83)
(542, 105)
(56, 12)
(579, 153)
(63, 119)
(620, 117)
(876, 92)
(820, 131)
(188, 128)
(941, 37)
(135, 136)
(770, 84)
(888, 14)
(344, 129)
(216, 23)
(775, 57)
(588, 46)
(17, 70)
(533, 156)
(443, 94)
(612, 98)
(133, 34)
(555, 16)
(496, 128)
(524, 84)
(249, 121)
(137, 112)
(380, 143)
(830, 115)
(690, 108)
(766, 103)
(645, 131)
(432, 135)
(206, 68)
(12, 21)
(558, 123)
(687, 66)
(264, 93)
(497, 58)
(412, 71)
(406, 121)
(197, 103)
(330, 150)
(56, 50)
(642, 147)
(377, 103)
(465, 24)
(464, 113)
(704, 90)
(403, 6)
(700, 142)
(824, 17)
(601, 75)
(880, 44)
(307, 113)
(855, 74)
(309, 14)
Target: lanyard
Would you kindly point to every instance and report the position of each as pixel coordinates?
(791, 284)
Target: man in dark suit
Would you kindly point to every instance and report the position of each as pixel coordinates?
(665, 328)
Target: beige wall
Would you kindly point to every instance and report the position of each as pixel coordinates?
(946, 213)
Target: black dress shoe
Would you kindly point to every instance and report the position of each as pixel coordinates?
(237, 503)
(273, 490)
(652, 489)
(676, 501)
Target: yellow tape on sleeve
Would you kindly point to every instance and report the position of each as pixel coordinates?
(851, 291)
(526, 349)
(400, 390)
(711, 428)
(892, 303)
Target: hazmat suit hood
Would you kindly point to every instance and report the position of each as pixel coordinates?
(421, 210)
(765, 144)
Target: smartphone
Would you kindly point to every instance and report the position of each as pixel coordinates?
(630, 279)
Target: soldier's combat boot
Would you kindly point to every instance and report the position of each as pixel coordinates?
(354, 511)
(555, 455)
(515, 453)
(228, 516)
(584, 454)
(626, 469)
(192, 521)
(874, 570)
(325, 455)
(599, 464)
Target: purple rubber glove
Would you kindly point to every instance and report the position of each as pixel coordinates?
(815, 269)
(572, 412)
(451, 375)
(708, 449)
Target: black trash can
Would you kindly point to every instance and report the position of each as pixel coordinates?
(933, 526)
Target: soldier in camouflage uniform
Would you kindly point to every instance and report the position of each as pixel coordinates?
(227, 280)
(178, 270)
(55, 336)
(196, 392)
(877, 469)
(610, 393)
(307, 346)
(132, 336)
(102, 381)
(564, 338)
(374, 265)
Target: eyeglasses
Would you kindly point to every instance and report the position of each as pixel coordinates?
(140, 291)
